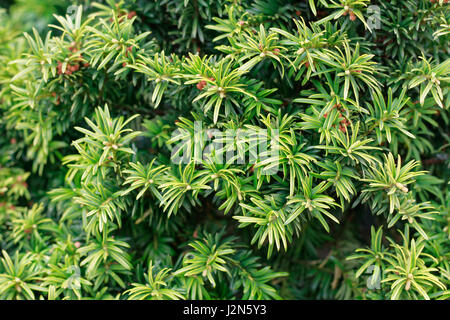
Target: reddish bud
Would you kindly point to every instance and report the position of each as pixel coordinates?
(59, 67)
(201, 85)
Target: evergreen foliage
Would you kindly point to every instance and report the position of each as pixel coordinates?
(100, 100)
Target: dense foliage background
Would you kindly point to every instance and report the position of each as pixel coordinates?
(92, 95)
